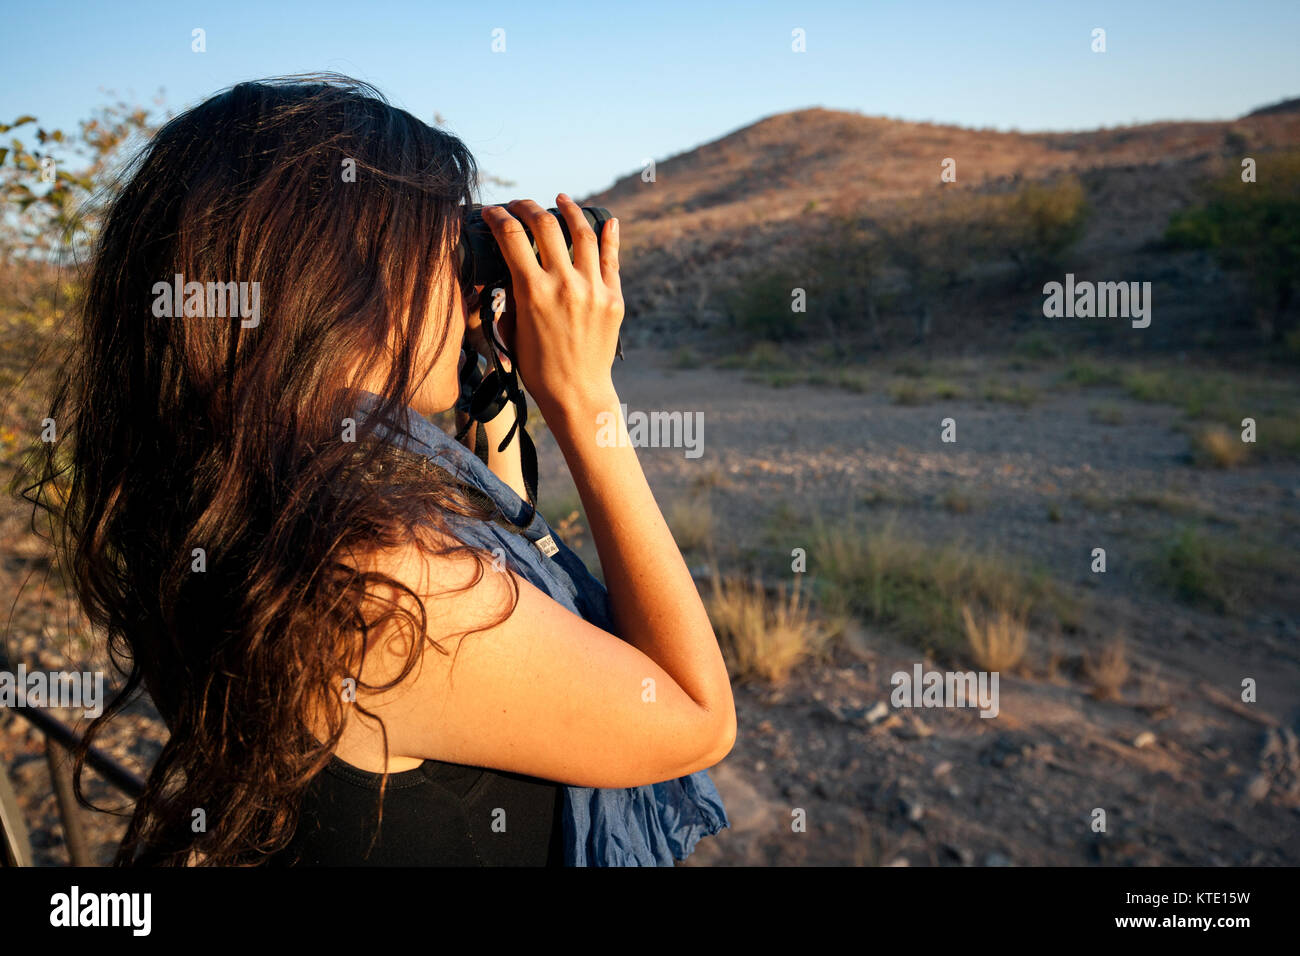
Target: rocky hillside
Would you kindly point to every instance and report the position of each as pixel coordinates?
(716, 211)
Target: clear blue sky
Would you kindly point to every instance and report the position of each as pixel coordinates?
(585, 92)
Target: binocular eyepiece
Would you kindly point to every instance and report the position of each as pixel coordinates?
(479, 258)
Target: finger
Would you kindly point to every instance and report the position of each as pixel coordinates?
(546, 233)
(584, 240)
(513, 241)
(609, 255)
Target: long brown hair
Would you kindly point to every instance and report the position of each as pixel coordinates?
(227, 434)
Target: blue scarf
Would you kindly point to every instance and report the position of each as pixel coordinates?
(630, 826)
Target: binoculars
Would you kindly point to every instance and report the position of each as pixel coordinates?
(479, 258)
(484, 393)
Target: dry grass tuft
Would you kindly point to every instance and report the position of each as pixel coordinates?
(1108, 669)
(999, 644)
(762, 638)
(1218, 447)
(691, 522)
(917, 589)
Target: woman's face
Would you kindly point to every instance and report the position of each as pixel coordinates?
(441, 387)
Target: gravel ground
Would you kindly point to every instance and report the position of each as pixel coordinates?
(1184, 773)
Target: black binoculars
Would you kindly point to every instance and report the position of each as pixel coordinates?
(479, 258)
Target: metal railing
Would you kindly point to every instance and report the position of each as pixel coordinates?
(60, 742)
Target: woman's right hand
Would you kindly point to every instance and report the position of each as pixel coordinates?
(566, 315)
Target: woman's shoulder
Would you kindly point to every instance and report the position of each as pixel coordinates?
(433, 563)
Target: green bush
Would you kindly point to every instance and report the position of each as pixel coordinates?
(761, 307)
(1254, 227)
(1040, 222)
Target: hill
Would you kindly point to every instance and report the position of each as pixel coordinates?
(717, 211)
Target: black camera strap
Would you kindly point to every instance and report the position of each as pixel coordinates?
(483, 397)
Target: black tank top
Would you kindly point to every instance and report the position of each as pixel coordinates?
(439, 814)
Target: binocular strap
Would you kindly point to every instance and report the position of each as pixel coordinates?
(483, 397)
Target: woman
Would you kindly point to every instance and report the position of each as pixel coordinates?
(253, 508)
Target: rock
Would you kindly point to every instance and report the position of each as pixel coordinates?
(1279, 761)
(878, 713)
(913, 729)
(1258, 787)
(963, 855)
(824, 714)
(910, 809)
(1144, 739)
(997, 859)
(1007, 750)
(1274, 746)
(943, 767)
(854, 715)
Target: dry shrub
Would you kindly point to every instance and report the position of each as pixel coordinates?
(1108, 669)
(1000, 642)
(764, 638)
(1219, 447)
(691, 522)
